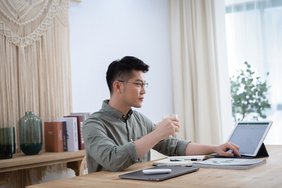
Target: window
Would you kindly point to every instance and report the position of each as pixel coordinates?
(254, 34)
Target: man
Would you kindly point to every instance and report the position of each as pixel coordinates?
(117, 136)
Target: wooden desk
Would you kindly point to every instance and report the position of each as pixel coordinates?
(19, 164)
(266, 175)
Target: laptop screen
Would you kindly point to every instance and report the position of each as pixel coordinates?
(249, 136)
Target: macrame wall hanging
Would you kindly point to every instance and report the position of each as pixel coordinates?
(35, 72)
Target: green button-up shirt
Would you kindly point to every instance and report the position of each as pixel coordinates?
(108, 138)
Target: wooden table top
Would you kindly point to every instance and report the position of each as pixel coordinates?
(266, 175)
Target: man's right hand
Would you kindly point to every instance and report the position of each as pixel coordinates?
(167, 127)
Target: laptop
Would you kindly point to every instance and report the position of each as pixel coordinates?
(249, 136)
(175, 171)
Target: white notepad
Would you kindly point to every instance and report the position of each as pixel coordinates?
(229, 163)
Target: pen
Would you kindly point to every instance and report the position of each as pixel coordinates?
(174, 160)
(192, 159)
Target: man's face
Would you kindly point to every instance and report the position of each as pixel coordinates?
(133, 90)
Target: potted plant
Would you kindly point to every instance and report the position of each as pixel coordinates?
(249, 95)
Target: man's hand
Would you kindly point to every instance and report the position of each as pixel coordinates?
(167, 127)
(228, 150)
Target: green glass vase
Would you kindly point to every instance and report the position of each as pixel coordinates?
(30, 134)
(7, 142)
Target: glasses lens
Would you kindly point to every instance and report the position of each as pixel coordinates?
(145, 84)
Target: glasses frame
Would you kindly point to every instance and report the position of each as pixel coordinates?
(139, 84)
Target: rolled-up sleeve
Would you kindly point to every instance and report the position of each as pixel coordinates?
(103, 151)
(172, 147)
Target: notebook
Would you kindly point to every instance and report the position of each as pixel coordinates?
(230, 163)
(176, 171)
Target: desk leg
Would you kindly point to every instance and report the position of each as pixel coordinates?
(75, 165)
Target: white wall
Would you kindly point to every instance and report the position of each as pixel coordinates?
(102, 31)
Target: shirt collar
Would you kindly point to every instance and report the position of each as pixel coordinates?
(114, 112)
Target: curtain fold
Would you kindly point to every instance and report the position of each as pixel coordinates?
(35, 72)
(195, 70)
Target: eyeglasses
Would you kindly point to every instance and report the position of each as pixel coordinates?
(137, 83)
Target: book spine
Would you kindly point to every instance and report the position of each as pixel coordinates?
(71, 128)
(81, 117)
(75, 137)
(81, 135)
(65, 135)
(53, 135)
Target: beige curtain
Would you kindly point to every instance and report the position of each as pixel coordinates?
(35, 72)
(195, 70)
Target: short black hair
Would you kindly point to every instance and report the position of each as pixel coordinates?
(122, 69)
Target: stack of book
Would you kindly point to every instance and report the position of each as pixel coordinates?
(65, 133)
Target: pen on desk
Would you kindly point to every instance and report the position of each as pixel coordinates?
(192, 159)
(174, 160)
